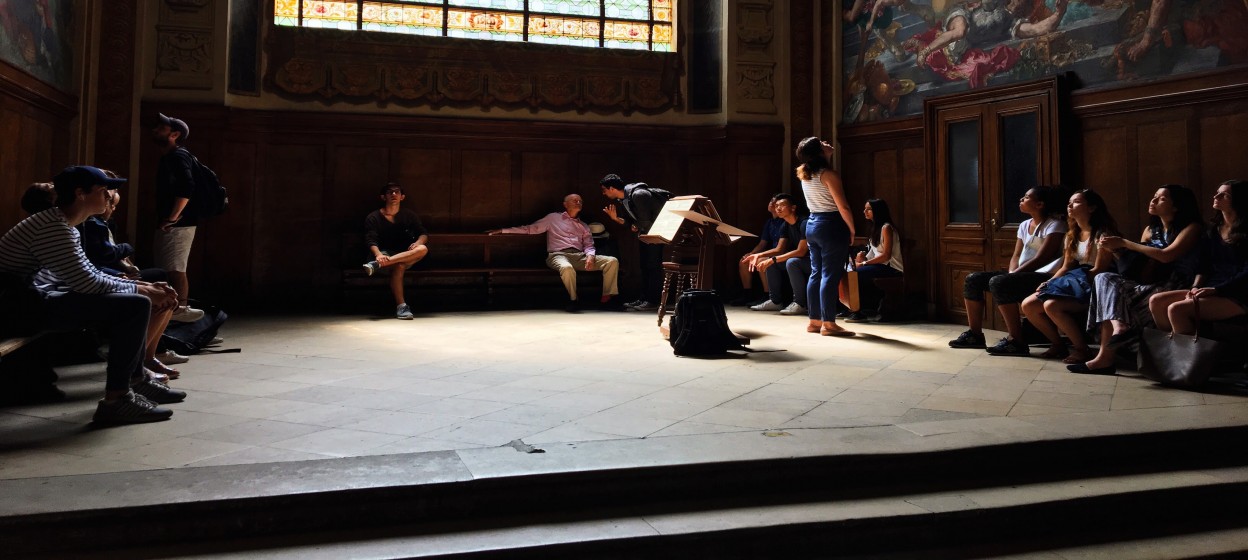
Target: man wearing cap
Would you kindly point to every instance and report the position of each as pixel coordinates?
(47, 283)
(570, 247)
(643, 204)
(175, 185)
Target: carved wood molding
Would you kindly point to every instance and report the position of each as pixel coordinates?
(115, 86)
(332, 66)
(801, 71)
(756, 66)
(185, 45)
(20, 85)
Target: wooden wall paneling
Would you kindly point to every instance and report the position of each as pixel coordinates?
(1162, 151)
(282, 262)
(885, 185)
(357, 174)
(427, 176)
(915, 217)
(1224, 152)
(12, 175)
(484, 188)
(228, 237)
(544, 181)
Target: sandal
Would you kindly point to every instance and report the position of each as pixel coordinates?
(158, 367)
(1077, 356)
(1055, 353)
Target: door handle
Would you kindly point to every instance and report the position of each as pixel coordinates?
(994, 218)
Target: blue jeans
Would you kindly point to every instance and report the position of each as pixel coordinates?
(793, 273)
(123, 317)
(828, 239)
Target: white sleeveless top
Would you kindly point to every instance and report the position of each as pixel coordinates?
(894, 260)
(818, 199)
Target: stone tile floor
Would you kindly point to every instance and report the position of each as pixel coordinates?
(317, 387)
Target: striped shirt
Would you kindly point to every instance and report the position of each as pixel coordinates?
(818, 197)
(46, 244)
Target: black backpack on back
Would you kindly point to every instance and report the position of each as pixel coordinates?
(700, 327)
(210, 197)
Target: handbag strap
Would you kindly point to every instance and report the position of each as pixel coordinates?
(1196, 310)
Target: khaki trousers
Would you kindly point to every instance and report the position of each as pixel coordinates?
(566, 264)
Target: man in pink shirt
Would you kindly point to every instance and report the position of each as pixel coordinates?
(570, 248)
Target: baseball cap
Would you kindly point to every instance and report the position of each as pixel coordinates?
(83, 176)
(178, 125)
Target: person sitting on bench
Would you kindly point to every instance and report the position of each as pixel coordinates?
(397, 239)
(46, 278)
(882, 259)
(570, 247)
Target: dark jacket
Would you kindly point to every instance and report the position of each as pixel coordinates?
(100, 248)
(643, 204)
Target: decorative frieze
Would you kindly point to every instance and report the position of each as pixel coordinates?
(326, 65)
(185, 45)
(755, 88)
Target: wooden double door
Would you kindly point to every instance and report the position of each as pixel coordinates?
(985, 149)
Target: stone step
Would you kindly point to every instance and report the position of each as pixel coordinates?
(516, 486)
(1071, 514)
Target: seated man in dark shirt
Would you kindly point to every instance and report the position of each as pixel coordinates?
(397, 239)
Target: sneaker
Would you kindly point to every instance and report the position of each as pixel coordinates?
(767, 306)
(216, 340)
(170, 357)
(573, 307)
(857, 317)
(1009, 347)
(158, 392)
(969, 339)
(634, 304)
(793, 309)
(645, 306)
(371, 267)
(186, 314)
(403, 312)
(132, 408)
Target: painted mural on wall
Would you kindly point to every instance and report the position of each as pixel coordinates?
(897, 52)
(35, 36)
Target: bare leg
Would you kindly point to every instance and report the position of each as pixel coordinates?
(975, 315)
(747, 277)
(398, 265)
(1013, 320)
(181, 285)
(1033, 308)
(156, 327)
(1105, 354)
(1183, 314)
(1159, 304)
(1063, 312)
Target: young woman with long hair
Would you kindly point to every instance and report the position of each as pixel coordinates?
(1058, 302)
(1163, 259)
(1222, 285)
(829, 232)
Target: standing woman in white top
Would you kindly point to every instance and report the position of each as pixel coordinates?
(829, 232)
(1059, 303)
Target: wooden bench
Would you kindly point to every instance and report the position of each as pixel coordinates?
(475, 262)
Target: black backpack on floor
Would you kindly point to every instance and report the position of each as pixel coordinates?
(700, 327)
(192, 338)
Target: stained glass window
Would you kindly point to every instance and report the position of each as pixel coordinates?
(614, 24)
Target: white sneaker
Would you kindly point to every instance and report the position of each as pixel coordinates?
(767, 306)
(216, 340)
(172, 358)
(187, 314)
(793, 309)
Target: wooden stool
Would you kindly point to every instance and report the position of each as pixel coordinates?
(677, 278)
